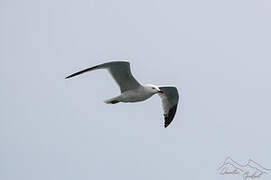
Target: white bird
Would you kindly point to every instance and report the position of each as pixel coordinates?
(133, 91)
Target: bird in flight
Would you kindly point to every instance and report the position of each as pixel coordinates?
(133, 91)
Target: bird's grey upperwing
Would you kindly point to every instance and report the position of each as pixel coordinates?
(120, 71)
(170, 99)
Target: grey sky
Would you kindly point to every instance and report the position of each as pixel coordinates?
(217, 53)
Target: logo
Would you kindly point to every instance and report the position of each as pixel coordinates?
(251, 170)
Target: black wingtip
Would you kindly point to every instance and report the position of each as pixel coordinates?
(83, 71)
(166, 125)
(169, 117)
(74, 74)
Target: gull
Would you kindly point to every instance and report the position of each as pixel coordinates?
(132, 91)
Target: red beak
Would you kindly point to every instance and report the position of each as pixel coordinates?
(162, 92)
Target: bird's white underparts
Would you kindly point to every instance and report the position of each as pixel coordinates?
(133, 91)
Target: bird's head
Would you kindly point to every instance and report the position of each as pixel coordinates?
(153, 89)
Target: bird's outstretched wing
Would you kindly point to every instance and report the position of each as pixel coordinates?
(170, 99)
(120, 71)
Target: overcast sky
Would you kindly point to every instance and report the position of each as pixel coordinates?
(217, 53)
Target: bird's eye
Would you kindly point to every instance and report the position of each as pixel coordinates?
(153, 88)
